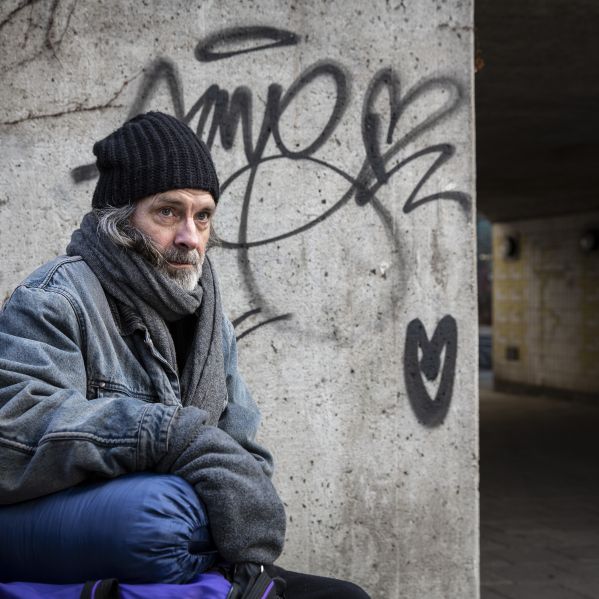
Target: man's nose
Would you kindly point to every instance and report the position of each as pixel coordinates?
(187, 235)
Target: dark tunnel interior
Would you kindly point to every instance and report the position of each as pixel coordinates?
(537, 127)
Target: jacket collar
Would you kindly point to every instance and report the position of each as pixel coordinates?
(126, 319)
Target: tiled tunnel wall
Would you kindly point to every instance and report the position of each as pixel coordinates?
(546, 304)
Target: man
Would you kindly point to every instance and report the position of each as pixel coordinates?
(117, 358)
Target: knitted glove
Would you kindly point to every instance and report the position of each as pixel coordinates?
(247, 518)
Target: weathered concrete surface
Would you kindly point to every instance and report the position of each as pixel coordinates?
(373, 493)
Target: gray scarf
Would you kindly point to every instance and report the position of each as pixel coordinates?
(135, 284)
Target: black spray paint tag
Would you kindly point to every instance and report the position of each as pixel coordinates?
(430, 411)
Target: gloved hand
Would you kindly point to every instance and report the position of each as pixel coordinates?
(246, 515)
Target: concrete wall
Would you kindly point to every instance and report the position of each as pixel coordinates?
(546, 306)
(347, 216)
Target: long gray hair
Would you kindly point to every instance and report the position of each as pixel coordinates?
(115, 223)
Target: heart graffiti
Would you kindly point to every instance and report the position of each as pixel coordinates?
(430, 411)
(375, 166)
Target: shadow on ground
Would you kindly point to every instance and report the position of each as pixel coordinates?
(539, 497)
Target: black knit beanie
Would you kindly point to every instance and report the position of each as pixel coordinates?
(149, 154)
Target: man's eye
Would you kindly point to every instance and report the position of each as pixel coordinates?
(202, 216)
(166, 211)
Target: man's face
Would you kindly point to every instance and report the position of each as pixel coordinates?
(178, 223)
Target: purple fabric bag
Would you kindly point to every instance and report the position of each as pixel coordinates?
(209, 585)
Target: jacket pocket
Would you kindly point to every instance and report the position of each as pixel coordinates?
(98, 388)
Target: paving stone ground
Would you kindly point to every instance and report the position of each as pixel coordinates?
(539, 497)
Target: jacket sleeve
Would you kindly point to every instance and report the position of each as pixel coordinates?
(246, 515)
(241, 417)
(51, 436)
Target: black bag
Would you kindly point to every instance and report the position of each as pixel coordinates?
(250, 581)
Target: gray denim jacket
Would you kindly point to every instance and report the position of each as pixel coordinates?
(75, 401)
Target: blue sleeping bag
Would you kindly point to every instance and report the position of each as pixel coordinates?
(139, 528)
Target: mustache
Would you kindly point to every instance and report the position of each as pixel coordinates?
(181, 256)
(158, 257)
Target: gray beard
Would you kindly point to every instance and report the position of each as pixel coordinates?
(186, 278)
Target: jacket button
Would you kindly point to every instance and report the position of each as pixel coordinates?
(102, 384)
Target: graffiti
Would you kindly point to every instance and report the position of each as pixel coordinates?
(237, 321)
(430, 411)
(205, 50)
(230, 116)
(377, 161)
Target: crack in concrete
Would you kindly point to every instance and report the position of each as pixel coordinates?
(13, 12)
(67, 24)
(78, 108)
(29, 26)
(35, 117)
(51, 25)
(21, 63)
